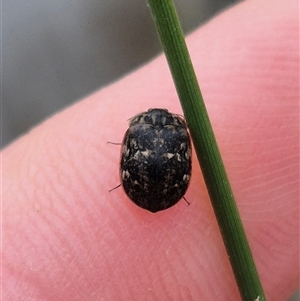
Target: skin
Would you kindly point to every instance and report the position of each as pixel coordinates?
(66, 238)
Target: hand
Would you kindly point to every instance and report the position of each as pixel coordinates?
(66, 238)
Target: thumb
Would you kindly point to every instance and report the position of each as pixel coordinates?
(63, 230)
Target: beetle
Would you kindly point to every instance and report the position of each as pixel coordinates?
(155, 164)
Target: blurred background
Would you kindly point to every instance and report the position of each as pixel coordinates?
(55, 52)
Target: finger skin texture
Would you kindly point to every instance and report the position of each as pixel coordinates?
(65, 237)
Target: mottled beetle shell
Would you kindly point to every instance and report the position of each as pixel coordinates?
(155, 166)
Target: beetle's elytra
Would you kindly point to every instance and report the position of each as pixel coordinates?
(155, 167)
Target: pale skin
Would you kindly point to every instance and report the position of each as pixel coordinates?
(65, 237)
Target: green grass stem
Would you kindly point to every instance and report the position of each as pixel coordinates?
(239, 253)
